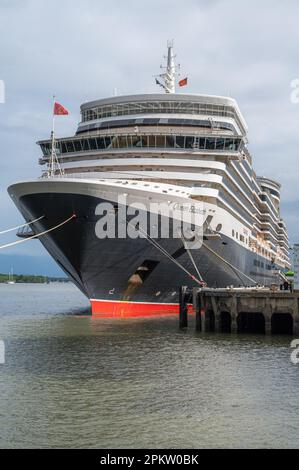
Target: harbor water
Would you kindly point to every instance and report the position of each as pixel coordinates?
(73, 381)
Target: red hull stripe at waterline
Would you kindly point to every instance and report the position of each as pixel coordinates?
(107, 308)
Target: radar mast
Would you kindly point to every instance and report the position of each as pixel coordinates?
(170, 74)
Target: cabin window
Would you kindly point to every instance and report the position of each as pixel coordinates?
(229, 144)
(210, 143)
(219, 144)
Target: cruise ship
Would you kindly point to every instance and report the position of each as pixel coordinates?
(183, 150)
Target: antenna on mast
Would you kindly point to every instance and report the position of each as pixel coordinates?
(170, 74)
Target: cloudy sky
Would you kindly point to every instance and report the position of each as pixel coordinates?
(83, 49)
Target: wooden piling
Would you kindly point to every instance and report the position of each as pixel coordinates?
(183, 307)
(198, 306)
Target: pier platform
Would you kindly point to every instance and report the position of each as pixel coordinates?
(242, 310)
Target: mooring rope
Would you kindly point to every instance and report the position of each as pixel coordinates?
(39, 234)
(20, 226)
(192, 261)
(228, 263)
(168, 255)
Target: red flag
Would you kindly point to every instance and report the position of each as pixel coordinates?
(183, 82)
(59, 110)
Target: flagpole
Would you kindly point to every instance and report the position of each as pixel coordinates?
(54, 164)
(53, 140)
(53, 124)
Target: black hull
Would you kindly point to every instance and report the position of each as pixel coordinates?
(103, 269)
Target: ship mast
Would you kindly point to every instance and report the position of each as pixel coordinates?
(53, 164)
(170, 74)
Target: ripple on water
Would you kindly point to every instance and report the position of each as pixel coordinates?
(72, 381)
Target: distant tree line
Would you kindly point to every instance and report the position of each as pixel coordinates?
(29, 278)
